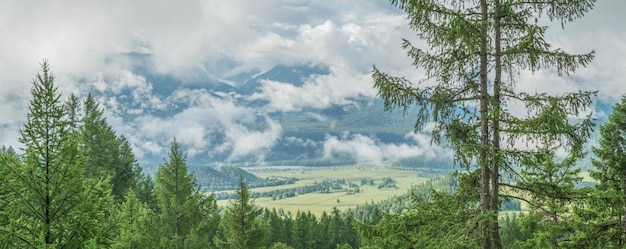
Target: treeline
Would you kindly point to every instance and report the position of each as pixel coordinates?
(77, 185)
(326, 186)
(373, 211)
(227, 178)
(305, 230)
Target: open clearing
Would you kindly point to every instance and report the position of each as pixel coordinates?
(316, 203)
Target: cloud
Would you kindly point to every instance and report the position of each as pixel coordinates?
(191, 40)
(319, 91)
(245, 142)
(202, 118)
(369, 150)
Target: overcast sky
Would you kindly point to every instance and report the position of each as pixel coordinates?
(191, 39)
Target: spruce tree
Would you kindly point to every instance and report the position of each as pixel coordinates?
(8, 156)
(128, 173)
(605, 215)
(551, 196)
(135, 225)
(48, 201)
(145, 191)
(188, 217)
(467, 41)
(106, 154)
(240, 220)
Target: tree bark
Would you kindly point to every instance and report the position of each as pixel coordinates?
(495, 153)
(623, 237)
(484, 128)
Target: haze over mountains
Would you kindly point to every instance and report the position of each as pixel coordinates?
(258, 118)
(275, 117)
(272, 82)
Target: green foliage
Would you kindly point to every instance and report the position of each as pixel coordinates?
(603, 217)
(106, 154)
(550, 186)
(188, 217)
(280, 245)
(145, 191)
(48, 201)
(513, 233)
(135, 228)
(467, 41)
(240, 221)
(443, 222)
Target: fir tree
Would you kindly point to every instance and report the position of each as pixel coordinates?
(604, 216)
(106, 154)
(145, 191)
(240, 220)
(49, 202)
(189, 218)
(135, 228)
(552, 194)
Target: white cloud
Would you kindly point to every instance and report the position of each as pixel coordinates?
(370, 150)
(204, 117)
(186, 39)
(243, 141)
(319, 91)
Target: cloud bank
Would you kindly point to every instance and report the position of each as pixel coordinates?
(88, 43)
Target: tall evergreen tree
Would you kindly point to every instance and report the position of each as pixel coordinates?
(8, 156)
(188, 216)
(242, 228)
(72, 105)
(551, 197)
(135, 228)
(49, 202)
(145, 191)
(98, 141)
(468, 40)
(605, 215)
(106, 154)
(274, 227)
(127, 171)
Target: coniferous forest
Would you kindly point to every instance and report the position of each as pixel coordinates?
(75, 182)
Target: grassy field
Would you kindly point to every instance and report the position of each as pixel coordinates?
(319, 202)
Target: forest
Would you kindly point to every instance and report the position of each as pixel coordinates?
(75, 182)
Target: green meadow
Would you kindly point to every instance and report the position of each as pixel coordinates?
(317, 202)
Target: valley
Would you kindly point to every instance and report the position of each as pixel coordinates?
(366, 178)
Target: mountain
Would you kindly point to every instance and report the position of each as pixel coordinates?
(239, 129)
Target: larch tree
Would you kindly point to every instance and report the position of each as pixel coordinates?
(189, 218)
(476, 51)
(48, 201)
(242, 229)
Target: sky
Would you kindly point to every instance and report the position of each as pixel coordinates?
(209, 39)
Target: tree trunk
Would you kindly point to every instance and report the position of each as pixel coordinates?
(48, 201)
(495, 154)
(623, 237)
(484, 129)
